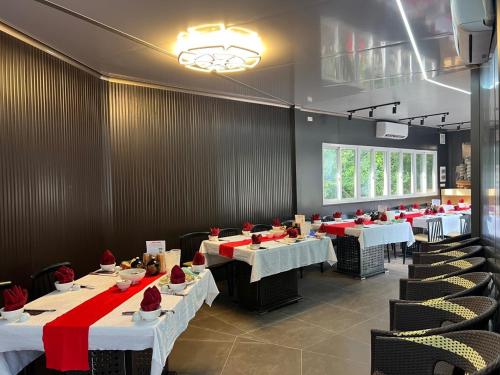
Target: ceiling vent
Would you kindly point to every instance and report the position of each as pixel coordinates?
(392, 130)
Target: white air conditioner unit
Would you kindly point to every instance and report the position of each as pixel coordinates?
(392, 130)
(472, 26)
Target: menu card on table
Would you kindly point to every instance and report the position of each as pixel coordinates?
(155, 247)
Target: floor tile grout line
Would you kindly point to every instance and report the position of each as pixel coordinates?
(335, 357)
(228, 355)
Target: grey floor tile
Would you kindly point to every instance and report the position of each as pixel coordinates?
(321, 364)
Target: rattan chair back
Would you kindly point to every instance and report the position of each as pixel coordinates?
(435, 229)
(42, 282)
(442, 270)
(465, 224)
(261, 228)
(228, 232)
(447, 256)
(190, 243)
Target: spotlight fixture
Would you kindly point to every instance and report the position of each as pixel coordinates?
(372, 108)
(422, 121)
(423, 117)
(409, 122)
(217, 48)
(443, 119)
(394, 109)
(458, 127)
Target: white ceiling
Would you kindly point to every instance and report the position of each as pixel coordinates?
(321, 55)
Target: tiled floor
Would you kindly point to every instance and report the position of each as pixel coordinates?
(328, 332)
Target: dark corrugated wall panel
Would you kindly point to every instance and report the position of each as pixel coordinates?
(181, 162)
(51, 171)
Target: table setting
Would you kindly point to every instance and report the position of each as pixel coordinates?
(120, 309)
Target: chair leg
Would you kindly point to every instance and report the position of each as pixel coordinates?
(301, 270)
(321, 267)
(388, 254)
(230, 279)
(403, 249)
(394, 250)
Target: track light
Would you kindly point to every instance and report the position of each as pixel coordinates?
(370, 114)
(458, 127)
(349, 116)
(394, 109)
(373, 108)
(422, 121)
(409, 122)
(443, 119)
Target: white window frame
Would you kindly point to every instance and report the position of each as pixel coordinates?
(387, 176)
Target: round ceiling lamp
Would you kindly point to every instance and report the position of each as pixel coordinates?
(215, 48)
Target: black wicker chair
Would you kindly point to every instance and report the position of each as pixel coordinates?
(441, 270)
(222, 271)
(462, 253)
(228, 232)
(451, 243)
(434, 232)
(261, 228)
(42, 282)
(327, 218)
(287, 223)
(472, 352)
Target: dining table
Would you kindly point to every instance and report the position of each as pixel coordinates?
(22, 342)
(451, 222)
(266, 278)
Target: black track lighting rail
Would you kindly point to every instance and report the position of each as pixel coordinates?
(423, 117)
(372, 108)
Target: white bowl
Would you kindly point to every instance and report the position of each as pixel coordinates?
(338, 219)
(320, 234)
(198, 268)
(176, 287)
(108, 267)
(213, 238)
(316, 222)
(150, 315)
(291, 240)
(64, 287)
(133, 274)
(255, 246)
(246, 232)
(12, 316)
(123, 285)
(276, 228)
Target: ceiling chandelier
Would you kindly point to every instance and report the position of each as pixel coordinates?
(215, 48)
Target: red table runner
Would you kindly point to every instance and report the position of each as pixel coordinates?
(338, 229)
(227, 249)
(409, 216)
(66, 338)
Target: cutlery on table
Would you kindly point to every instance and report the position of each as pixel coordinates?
(163, 312)
(87, 286)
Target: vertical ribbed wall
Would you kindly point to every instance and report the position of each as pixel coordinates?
(183, 162)
(50, 162)
(86, 164)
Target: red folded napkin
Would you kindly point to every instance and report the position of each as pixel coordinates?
(256, 239)
(402, 207)
(416, 205)
(276, 222)
(14, 298)
(151, 300)
(177, 275)
(359, 212)
(247, 226)
(461, 200)
(359, 220)
(449, 202)
(199, 259)
(64, 275)
(428, 211)
(383, 217)
(316, 217)
(292, 232)
(322, 228)
(441, 210)
(402, 215)
(456, 208)
(107, 258)
(215, 231)
(337, 215)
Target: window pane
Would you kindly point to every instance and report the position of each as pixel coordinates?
(379, 174)
(395, 162)
(348, 159)
(419, 170)
(365, 167)
(330, 166)
(407, 173)
(430, 172)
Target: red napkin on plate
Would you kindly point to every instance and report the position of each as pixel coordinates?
(359, 212)
(416, 205)
(402, 207)
(64, 275)
(461, 200)
(256, 239)
(215, 231)
(337, 215)
(402, 215)
(316, 217)
(107, 258)
(276, 222)
(151, 300)
(199, 259)
(14, 298)
(322, 228)
(449, 202)
(359, 221)
(456, 208)
(383, 217)
(441, 210)
(247, 226)
(292, 232)
(177, 275)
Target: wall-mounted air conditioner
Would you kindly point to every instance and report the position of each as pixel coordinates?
(473, 28)
(392, 130)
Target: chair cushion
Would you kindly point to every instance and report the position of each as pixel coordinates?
(422, 237)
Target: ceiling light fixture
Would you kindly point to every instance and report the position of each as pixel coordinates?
(373, 108)
(422, 121)
(443, 119)
(215, 48)
(417, 53)
(394, 109)
(370, 114)
(349, 117)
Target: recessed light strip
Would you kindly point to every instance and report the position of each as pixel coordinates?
(417, 52)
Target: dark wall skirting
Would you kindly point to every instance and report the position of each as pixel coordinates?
(86, 164)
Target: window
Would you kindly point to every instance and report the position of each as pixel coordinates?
(357, 173)
(365, 173)
(348, 165)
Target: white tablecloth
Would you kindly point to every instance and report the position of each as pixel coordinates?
(21, 343)
(451, 222)
(376, 234)
(277, 257)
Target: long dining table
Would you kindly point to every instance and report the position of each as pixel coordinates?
(23, 342)
(267, 277)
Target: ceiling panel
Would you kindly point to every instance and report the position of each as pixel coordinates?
(323, 55)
